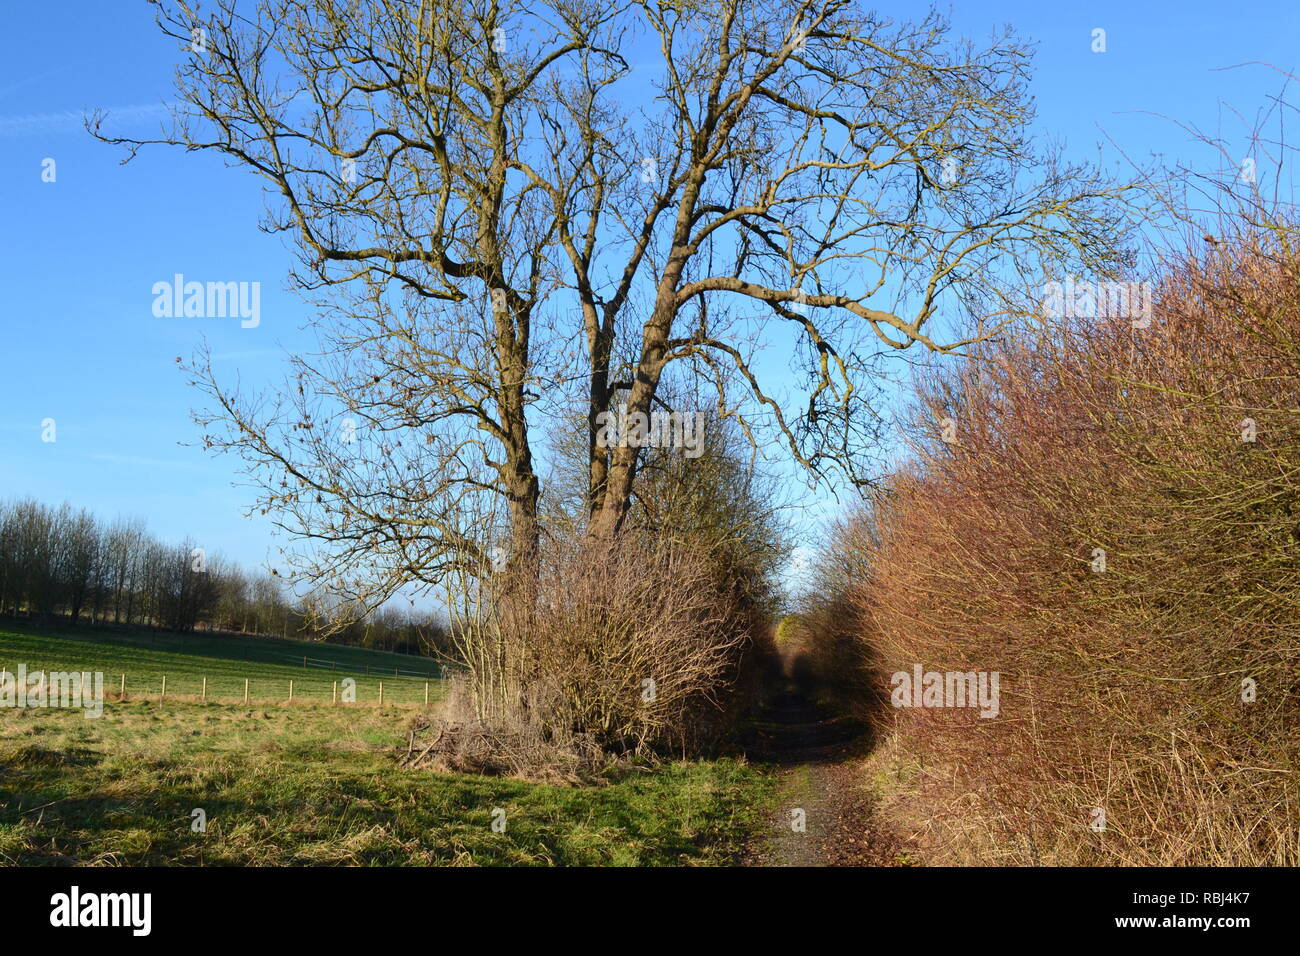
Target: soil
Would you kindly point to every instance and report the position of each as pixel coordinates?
(818, 755)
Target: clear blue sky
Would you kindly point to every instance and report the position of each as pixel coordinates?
(80, 255)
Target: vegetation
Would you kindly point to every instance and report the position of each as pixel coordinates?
(499, 226)
(313, 785)
(57, 565)
(653, 642)
(1113, 530)
(512, 236)
(225, 661)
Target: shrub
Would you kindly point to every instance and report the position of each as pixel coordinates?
(1171, 454)
(626, 645)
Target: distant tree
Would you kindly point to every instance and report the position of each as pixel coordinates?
(82, 557)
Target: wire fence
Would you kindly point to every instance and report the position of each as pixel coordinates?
(373, 691)
(309, 662)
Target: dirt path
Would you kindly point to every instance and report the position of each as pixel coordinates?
(824, 815)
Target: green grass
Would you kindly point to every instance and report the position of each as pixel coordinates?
(312, 783)
(319, 785)
(268, 664)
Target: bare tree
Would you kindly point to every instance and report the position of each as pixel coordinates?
(389, 133)
(82, 559)
(493, 208)
(822, 166)
(125, 544)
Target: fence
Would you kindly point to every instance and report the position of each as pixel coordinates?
(226, 689)
(310, 662)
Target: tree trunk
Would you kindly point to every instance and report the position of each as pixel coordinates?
(612, 509)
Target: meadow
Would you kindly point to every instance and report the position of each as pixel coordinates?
(315, 784)
(226, 661)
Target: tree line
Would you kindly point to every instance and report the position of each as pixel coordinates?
(64, 565)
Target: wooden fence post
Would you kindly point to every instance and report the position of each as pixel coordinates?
(336, 693)
(245, 690)
(205, 690)
(121, 694)
(426, 693)
(163, 696)
(291, 690)
(381, 693)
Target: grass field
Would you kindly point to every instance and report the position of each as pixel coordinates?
(267, 663)
(314, 784)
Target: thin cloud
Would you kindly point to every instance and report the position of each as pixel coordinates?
(6, 90)
(146, 462)
(71, 121)
(246, 354)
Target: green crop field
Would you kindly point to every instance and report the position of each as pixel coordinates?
(267, 663)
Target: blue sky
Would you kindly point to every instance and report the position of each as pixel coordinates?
(79, 255)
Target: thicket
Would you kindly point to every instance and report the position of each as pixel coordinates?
(1108, 515)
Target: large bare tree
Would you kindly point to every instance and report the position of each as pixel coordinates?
(508, 209)
(813, 163)
(389, 133)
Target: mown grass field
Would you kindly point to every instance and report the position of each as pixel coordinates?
(268, 663)
(313, 784)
